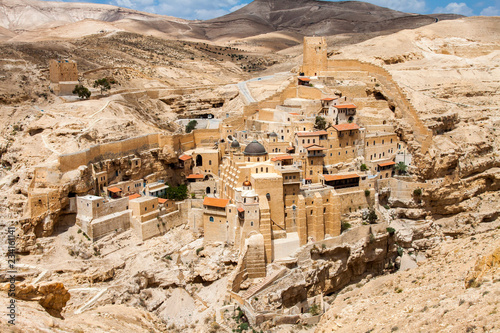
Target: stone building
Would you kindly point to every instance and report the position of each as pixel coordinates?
(98, 217)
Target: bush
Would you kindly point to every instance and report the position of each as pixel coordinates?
(198, 250)
(82, 92)
(344, 226)
(367, 193)
(168, 257)
(417, 192)
(391, 231)
(191, 126)
(372, 216)
(363, 167)
(178, 193)
(314, 310)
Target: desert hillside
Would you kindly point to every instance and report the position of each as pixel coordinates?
(34, 19)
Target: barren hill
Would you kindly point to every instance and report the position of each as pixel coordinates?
(303, 17)
(29, 14)
(309, 17)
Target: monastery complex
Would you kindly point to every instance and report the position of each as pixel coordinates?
(266, 183)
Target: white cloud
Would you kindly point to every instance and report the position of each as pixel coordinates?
(413, 6)
(455, 8)
(490, 11)
(189, 9)
(206, 14)
(235, 8)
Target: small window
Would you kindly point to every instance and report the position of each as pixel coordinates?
(145, 208)
(251, 223)
(211, 218)
(209, 162)
(97, 204)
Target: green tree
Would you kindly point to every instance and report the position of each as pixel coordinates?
(191, 126)
(401, 168)
(103, 84)
(372, 216)
(82, 91)
(178, 193)
(363, 167)
(320, 123)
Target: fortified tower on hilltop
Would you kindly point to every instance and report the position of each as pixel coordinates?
(315, 56)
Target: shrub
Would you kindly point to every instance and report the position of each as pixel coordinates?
(387, 207)
(198, 250)
(323, 246)
(363, 167)
(372, 216)
(417, 192)
(344, 226)
(314, 310)
(191, 126)
(168, 257)
(82, 92)
(391, 230)
(367, 193)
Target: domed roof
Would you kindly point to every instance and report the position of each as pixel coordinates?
(254, 148)
(247, 183)
(273, 134)
(235, 144)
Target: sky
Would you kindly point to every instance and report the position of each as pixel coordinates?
(207, 9)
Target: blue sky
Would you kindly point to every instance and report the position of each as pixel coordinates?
(207, 9)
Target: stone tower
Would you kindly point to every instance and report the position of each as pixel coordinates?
(315, 56)
(63, 70)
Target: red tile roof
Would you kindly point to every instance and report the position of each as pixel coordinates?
(346, 127)
(305, 79)
(328, 99)
(185, 157)
(290, 148)
(330, 178)
(195, 176)
(241, 210)
(214, 202)
(281, 158)
(162, 201)
(114, 189)
(387, 164)
(345, 106)
(317, 133)
(134, 196)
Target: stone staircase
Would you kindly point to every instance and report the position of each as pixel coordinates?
(264, 284)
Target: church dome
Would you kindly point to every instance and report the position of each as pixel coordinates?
(255, 149)
(273, 134)
(235, 144)
(247, 183)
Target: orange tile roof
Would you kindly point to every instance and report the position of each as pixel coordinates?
(241, 210)
(330, 178)
(328, 99)
(290, 148)
(317, 133)
(214, 202)
(387, 164)
(162, 201)
(294, 114)
(134, 196)
(185, 157)
(346, 127)
(304, 79)
(281, 158)
(195, 176)
(345, 106)
(114, 189)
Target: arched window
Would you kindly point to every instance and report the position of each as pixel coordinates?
(211, 219)
(251, 223)
(261, 169)
(382, 141)
(267, 169)
(210, 162)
